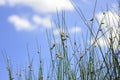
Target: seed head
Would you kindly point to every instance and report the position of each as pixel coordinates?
(52, 46)
(92, 19)
(59, 56)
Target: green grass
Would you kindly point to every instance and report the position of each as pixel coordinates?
(74, 59)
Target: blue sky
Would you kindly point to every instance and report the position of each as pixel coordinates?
(23, 22)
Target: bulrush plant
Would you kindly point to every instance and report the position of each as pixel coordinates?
(9, 65)
(73, 59)
(110, 66)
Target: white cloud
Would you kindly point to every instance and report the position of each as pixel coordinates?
(56, 32)
(70, 30)
(20, 23)
(46, 22)
(110, 20)
(75, 29)
(103, 41)
(2, 2)
(44, 5)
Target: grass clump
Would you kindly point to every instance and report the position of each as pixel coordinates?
(73, 59)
